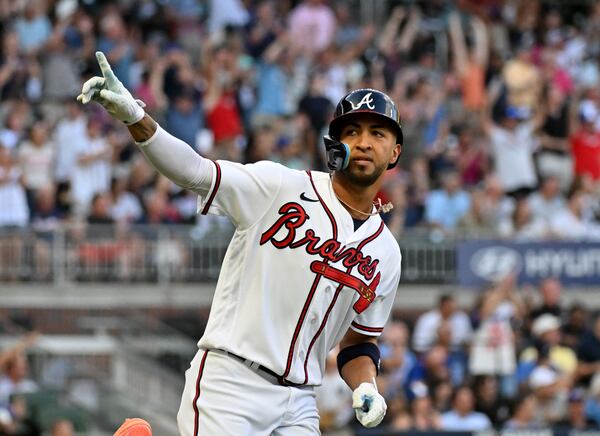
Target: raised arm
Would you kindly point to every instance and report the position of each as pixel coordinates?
(482, 43)
(170, 156)
(390, 31)
(407, 37)
(457, 40)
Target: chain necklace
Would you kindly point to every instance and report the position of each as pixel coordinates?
(385, 208)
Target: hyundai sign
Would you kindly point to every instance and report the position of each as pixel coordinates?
(482, 262)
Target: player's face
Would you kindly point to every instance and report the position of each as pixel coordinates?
(372, 147)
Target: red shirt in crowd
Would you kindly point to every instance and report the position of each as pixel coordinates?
(224, 119)
(585, 147)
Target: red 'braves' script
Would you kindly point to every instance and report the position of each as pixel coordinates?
(292, 217)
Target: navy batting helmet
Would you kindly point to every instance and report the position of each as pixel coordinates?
(359, 101)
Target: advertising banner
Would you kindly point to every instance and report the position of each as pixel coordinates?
(483, 261)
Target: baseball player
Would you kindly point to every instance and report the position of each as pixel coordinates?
(311, 265)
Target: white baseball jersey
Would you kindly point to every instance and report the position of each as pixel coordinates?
(296, 275)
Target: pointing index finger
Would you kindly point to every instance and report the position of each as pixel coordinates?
(107, 72)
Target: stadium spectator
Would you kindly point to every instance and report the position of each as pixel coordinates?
(14, 125)
(521, 225)
(15, 379)
(478, 222)
(69, 134)
(571, 224)
(14, 211)
(524, 417)
(17, 71)
(462, 416)
(423, 416)
(553, 157)
(575, 326)
(37, 160)
(470, 65)
(550, 290)
(397, 359)
(592, 405)
(550, 386)
(588, 354)
(494, 346)
(312, 26)
(488, 399)
(125, 206)
(585, 142)
(430, 370)
(446, 206)
(547, 201)
(113, 41)
(426, 328)
(512, 143)
(92, 171)
(547, 339)
(62, 427)
(576, 419)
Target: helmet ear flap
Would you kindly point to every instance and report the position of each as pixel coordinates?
(338, 153)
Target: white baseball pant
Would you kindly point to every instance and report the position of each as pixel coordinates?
(222, 396)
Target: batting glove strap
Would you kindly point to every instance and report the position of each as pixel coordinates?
(111, 94)
(368, 405)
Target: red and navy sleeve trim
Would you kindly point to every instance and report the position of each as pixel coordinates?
(214, 190)
(366, 328)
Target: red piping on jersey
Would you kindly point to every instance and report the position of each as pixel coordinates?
(366, 328)
(195, 404)
(215, 189)
(331, 217)
(313, 288)
(335, 297)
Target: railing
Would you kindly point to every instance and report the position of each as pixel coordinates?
(109, 377)
(164, 254)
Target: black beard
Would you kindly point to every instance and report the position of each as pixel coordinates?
(362, 179)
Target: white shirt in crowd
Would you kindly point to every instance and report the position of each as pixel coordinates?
(37, 164)
(535, 230)
(126, 208)
(544, 209)
(9, 387)
(14, 210)
(474, 421)
(425, 333)
(69, 134)
(92, 178)
(513, 156)
(9, 138)
(567, 225)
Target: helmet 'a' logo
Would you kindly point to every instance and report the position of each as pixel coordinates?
(366, 100)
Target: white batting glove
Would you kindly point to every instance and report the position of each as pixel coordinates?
(111, 94)
(369, 406)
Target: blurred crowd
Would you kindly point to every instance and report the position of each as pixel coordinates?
(20, 413)
(499, 103)
(516, 360)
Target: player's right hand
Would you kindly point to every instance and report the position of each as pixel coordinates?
(111, 94)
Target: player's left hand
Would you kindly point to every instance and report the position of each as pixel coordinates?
(368, 404)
